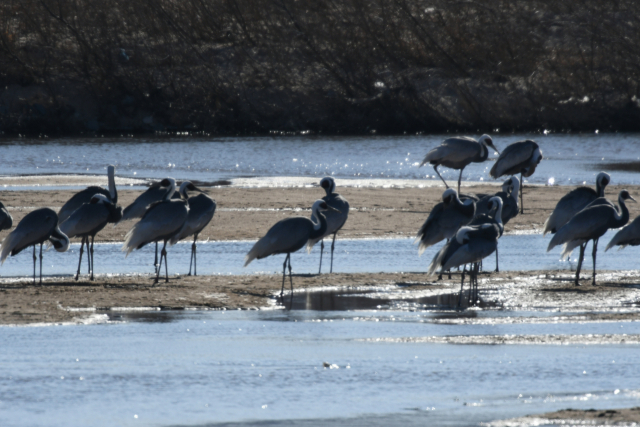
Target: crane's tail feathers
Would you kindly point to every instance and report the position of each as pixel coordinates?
(568, 248)
(546, 229)
(8, 244)
(422, 248)
(436, 262)
(311, 243)
(259, 250)
(616, 242)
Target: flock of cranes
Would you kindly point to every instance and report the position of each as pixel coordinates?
(470, 224)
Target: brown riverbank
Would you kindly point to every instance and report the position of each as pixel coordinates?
(247, 213)
(574, 417)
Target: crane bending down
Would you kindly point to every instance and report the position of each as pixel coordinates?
(470, 245)
(572, 203)
(335, 219)
(201, 210)
(163, 221)
(522, 158)
(35, 228)
(138, 207)
(87, 221)
(457, 153)
(290, 235)
(590, 224)
(445, 219)
(84, 196)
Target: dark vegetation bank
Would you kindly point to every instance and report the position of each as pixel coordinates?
(347, 66)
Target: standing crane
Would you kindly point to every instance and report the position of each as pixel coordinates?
(590, 224)
(522, 158)
(35, 228)
(288, 236)
(335, 219)
(458, 153)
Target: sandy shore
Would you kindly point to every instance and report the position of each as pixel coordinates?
(247, 213)
(575, 417)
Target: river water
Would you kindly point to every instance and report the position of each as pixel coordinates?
(568, 158)
(355, 363)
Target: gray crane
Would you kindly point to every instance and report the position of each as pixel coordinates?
(470, 246)
(335, 219)
(6, 220)
(156, 192)
(522, 158)
(201, 210)
(163, 221)
(445, 219)
(84, 196)
(458, 152)
(509, 197)
(289, 235)
(590, 224)
(629, 235)
(572, 203)
(35, 228)
(87, 221)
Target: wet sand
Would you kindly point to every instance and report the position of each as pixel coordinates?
(247, 213)
(61, 299)
(572, 417)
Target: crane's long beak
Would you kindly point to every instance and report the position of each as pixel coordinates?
(631, 198)
(498, 151)
(333, 209)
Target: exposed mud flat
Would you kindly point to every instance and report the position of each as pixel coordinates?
(575, 417)
(247, 213)
(616, 298)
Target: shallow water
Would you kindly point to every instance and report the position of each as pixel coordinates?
(568, 159)
(516, 252)
(211, 368)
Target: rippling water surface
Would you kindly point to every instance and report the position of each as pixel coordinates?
(568, 159)
(209, 368)
(517, 252)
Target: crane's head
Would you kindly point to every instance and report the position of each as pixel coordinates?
(624, 195)
(97, 199)
(59, 240)
(328, 184)
(487, 142)
(449, 195)
(187, 186)
(170, 184)
(603, 179)
(320, 205)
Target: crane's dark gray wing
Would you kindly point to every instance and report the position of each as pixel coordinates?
(569, 205)
(34, 228)
(629, 235)
(513, 158)
(88, 219)
(162, 221)
(454, 151)
(201, 211)
(287, 235)
(80, 199)
(6, 220)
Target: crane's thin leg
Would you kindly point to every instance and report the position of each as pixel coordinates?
(41, 263)
(88, 257)
(291, 280)
(158, 267)
(476, 294)
(461, 286)
(284, 275)
(435, 168)
(191, 258)
(166, 263)
(321, 252)
(497, 265)
(594, 253)
(460, 179)
(155, 261)
(92, 237)
(80, 260)
(333, 245)
(195, 256)
(582, 248)
(521, 191)
(34, 264)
